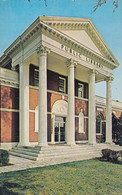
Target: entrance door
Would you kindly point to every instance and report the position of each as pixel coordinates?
(59, 129)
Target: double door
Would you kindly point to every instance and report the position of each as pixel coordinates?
(59, 129)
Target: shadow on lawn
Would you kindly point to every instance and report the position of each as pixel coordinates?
(105, 160)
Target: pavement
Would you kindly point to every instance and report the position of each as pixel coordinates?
(18, 164)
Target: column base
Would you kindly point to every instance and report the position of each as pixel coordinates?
(23, 144)
(71, 143)
(109, 142)
(43, 144)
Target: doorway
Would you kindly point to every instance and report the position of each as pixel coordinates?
(59, 129)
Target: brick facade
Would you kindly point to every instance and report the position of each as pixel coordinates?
(9, 97)
(9, 114)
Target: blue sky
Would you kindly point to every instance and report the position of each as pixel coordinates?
(17, 15)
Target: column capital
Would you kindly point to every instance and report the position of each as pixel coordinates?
(109, 78)
(71, 62)
(42, 50)
(93, 71)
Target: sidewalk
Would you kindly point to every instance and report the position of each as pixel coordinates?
(22, 163)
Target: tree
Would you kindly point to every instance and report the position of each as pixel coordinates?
(117, 129)
(99, 3)
(102, 2)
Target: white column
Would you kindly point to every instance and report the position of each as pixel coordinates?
(109, 110)
(42, 134)
(70, 131)
(23, 104)
(92, 111)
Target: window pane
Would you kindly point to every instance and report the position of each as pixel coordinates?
(62, 83)
(80, 90)
(98, 124)
(36, 77)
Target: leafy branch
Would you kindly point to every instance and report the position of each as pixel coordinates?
(101, 2)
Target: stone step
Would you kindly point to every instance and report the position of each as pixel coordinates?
(66, 154)
(68, 157)
(23, 156)
(24, 149)
(24, 152)
(59, 150)
(53, 152)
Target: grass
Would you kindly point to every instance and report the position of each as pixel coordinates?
(83, 177)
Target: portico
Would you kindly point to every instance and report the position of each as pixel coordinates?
(57, 74)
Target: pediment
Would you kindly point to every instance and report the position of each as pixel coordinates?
(83, 31)
(82, 37)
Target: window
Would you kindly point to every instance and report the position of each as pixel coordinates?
(99, 124)
(36, 77)
(62, 85)
(80, 90)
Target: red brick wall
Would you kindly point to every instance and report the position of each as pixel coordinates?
(9, 120)
(9, 97)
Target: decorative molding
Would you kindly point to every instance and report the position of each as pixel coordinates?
(9, 83)
(71, 62)
(42, 50)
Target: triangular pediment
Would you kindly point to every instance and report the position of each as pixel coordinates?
(83, 31)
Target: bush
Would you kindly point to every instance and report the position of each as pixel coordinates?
(4, 157)
(112, 155)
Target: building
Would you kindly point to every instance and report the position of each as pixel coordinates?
(47, 84)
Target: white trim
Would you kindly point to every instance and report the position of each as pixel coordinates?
(32, 111)
(81, 142)
(8, 110)
(77, 116)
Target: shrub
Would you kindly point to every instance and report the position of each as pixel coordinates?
(4, 157)
(111, 155)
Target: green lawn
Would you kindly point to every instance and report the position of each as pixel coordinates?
(83, 177)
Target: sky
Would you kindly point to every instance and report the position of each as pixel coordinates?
(17, 15)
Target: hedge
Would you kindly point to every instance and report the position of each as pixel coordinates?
(112, 155)
(4, 156)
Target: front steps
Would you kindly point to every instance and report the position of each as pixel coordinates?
(64, 152)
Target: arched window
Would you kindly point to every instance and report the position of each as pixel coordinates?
(99, 121)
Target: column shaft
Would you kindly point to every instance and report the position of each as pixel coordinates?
(24, 104)
(108, 111)
(70, 132)
(42, 135)
(92, 112)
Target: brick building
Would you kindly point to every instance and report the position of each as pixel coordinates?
(47, 85)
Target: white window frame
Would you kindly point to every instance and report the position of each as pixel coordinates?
(36, 79)
(80, 84)
(101, 121)
(62, 78)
